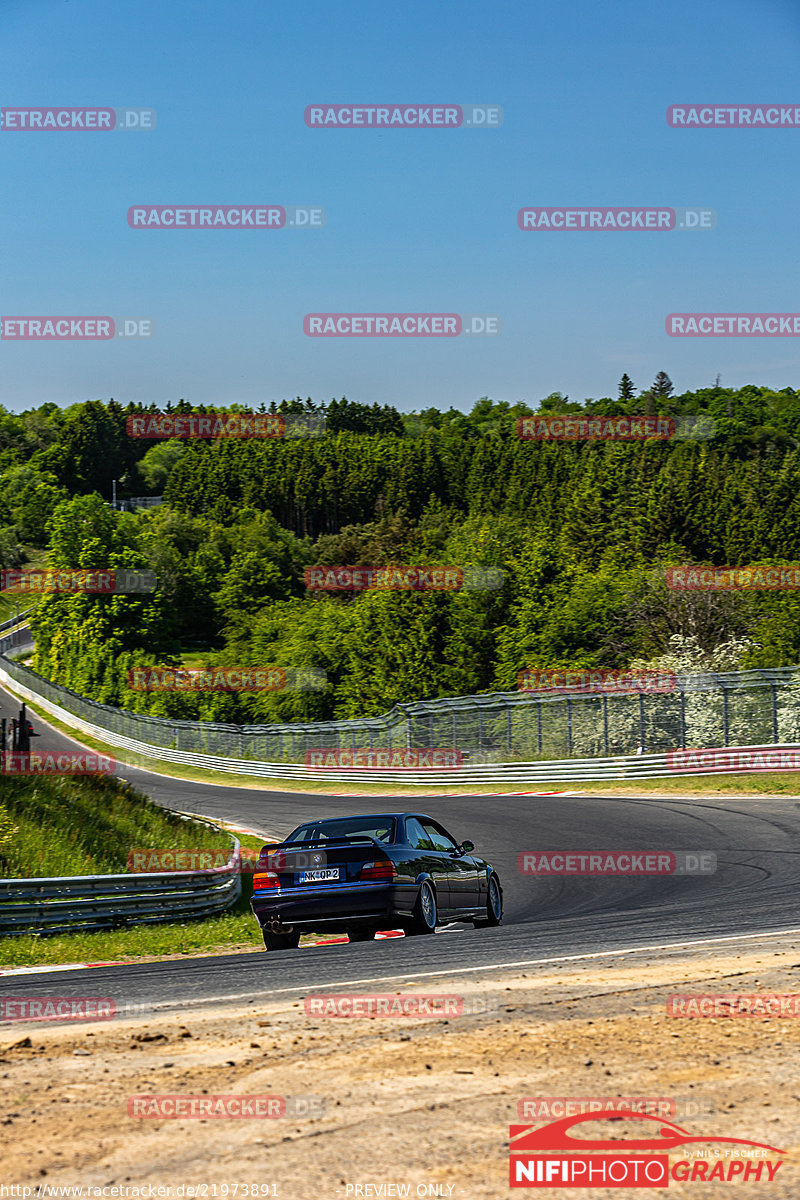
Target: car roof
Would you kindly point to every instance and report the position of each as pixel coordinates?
(368, 817)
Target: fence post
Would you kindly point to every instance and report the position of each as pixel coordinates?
(773, 689)
(605, 724)
(539, 722)
(725, 714)
(683, 717)
(641, 720)
(508, 728)
(569, 727)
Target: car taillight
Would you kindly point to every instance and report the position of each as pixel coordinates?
(378, 870)
(263, 880)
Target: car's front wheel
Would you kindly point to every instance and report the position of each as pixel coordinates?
(425, 912)
(281, 941)
(494, 905)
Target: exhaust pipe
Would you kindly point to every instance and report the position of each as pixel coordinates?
(275, 926)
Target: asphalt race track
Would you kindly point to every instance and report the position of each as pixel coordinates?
(754, 890)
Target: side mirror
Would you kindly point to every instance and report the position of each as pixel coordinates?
(467, 847)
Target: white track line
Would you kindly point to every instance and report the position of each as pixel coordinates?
(464, 970)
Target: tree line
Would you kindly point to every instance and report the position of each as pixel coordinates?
(581, 531)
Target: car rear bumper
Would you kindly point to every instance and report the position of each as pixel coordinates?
(321, 907)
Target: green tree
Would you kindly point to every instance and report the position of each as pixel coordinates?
(626, 388)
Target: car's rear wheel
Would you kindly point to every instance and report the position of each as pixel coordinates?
(281, 941)
(360, 935)
(425, 912)
(494, 905)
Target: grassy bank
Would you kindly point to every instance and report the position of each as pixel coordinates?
(228, 934)
(88, 826)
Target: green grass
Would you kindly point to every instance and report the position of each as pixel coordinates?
(10, 602)
(232, 932)
(772, 783)
(88, 825)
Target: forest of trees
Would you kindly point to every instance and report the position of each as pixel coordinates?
(581, 530)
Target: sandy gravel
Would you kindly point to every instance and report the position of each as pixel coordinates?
(424, 1103)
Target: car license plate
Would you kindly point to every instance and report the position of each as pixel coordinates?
(319, 876)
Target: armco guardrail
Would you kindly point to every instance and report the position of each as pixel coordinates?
(17, 619)
(84, 902)
(503, 737)
(704, 709)
(631, 766)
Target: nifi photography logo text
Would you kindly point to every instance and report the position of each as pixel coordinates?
(552, 1156)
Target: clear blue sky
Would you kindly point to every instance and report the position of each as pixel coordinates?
(416, 221)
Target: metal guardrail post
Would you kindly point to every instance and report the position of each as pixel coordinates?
(683, 717)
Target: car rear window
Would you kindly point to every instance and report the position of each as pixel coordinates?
(382, 829)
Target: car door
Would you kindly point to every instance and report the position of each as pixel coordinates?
(430, 858)
(463, 872)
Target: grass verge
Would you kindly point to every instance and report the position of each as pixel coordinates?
(771, 783)
(228, 934)
(88, 826)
